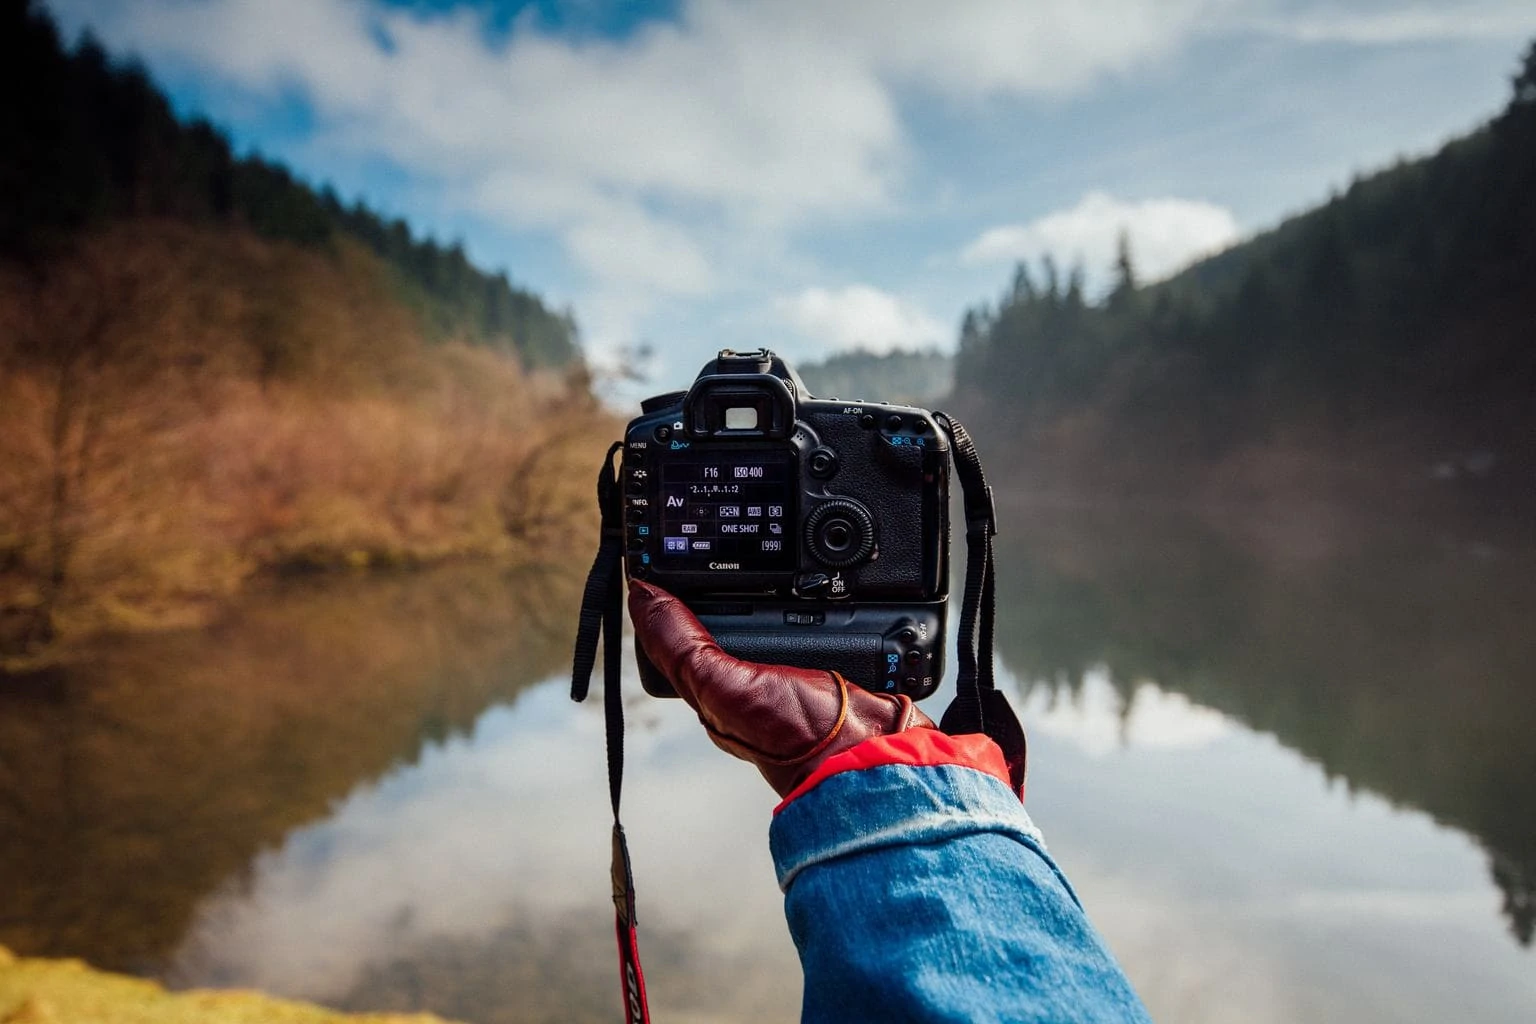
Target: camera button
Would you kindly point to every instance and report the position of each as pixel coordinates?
(893, 422)
(823, 463)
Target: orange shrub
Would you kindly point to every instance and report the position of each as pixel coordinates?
(181, 409)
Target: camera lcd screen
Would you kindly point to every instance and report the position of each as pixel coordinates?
(727, 511)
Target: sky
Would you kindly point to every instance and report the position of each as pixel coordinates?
(820, 175)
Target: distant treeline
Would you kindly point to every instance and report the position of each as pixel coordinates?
(1412, 294)
(912, 378)
(87, 140)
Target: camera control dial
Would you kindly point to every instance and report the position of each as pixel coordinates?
(840, 532)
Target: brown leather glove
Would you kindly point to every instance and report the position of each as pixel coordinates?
(784, 720)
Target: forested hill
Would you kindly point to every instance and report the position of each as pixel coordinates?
(88, 140)
(210, 373)
(902, 378)
(1408, 299)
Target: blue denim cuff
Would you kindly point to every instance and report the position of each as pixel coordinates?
(893, 805)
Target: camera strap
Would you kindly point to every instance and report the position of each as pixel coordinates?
(978, 705)
(602, 615)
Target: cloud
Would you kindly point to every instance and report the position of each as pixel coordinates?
(1443, 20)
(678, 122)
(861, 316)
(974, 48)
(1165, 235)
(649, 156)
(686, 159)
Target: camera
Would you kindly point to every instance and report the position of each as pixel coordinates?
(801, 531)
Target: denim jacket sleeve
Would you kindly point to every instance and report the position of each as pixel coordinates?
(918, 889)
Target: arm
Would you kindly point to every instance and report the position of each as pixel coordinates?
(916, 887)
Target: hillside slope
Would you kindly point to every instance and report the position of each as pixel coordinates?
(209, 371)
(183, 407)
(1394, 320)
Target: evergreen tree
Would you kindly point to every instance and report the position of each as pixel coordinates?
(96, 140)
(1124, 287)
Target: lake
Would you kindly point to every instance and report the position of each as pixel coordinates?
(1287, 761)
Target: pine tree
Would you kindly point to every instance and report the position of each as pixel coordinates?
(1124, 289)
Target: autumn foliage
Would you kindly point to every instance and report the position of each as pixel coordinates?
(183, 407)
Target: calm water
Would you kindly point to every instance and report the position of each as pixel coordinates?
(1289, 766)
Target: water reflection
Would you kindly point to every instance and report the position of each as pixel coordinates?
(140, 780)
(1235, 881)
(1400, 662)
(378, 795)
(1099, 719)
(475, 882)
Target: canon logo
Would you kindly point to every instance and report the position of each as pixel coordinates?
(725, 565)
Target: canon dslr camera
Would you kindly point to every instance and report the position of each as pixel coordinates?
(800, 531)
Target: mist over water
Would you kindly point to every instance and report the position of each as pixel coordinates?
(1288, 781)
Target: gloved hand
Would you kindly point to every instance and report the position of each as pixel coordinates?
(785, 720)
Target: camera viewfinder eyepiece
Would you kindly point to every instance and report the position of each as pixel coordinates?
(740, 397)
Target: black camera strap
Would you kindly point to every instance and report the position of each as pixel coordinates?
(978, 705)
(602, 615)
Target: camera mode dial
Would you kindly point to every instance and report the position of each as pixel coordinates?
(840, 532)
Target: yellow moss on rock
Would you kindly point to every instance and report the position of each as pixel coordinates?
(39, 991)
